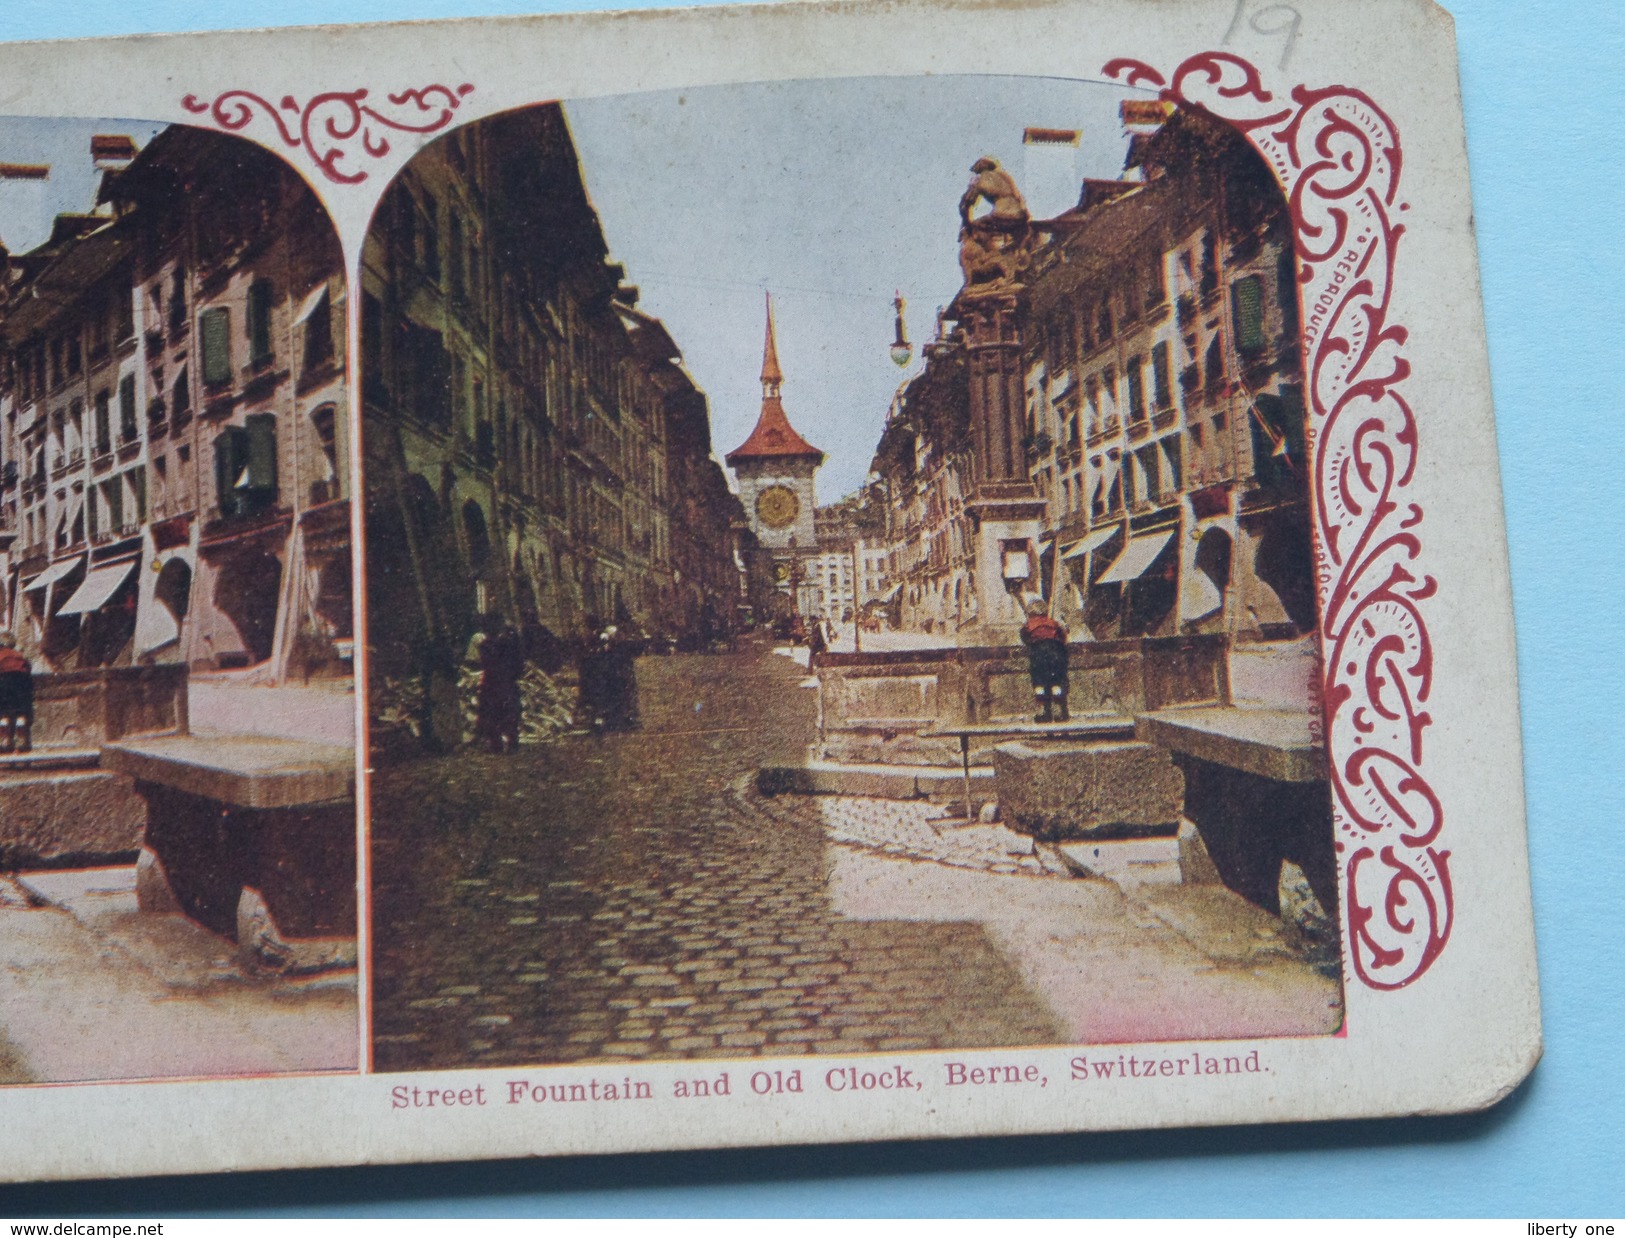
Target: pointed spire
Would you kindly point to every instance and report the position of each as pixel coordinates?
(772, 376)
(774, 437)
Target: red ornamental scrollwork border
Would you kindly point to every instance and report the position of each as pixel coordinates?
(1338, 157)
(337, 125)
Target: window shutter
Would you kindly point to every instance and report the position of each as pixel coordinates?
(126, 407)
(225, 470)
(215, 326)
(1159, 376)
(1247, 296)
(259, 320)
(262, 452)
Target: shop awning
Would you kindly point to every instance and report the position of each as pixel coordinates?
(100, 584)
(310, 305)
(890, 595)
(1094, 540)
(52, 574)
(1140, 553)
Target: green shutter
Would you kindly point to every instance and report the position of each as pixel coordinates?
(262, 452)
(215, 326)
(115, 504)
(1247, 297)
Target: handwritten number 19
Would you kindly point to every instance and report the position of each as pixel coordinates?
(1271, 19)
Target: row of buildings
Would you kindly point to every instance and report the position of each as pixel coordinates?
(174, 454)
(1146, 467)
(535, 449)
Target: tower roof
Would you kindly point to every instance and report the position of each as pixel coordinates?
(771, 374)
(774, 436)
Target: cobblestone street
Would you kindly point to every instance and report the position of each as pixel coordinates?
(630, 898)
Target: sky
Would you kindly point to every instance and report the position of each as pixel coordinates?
(831, 195)
(28, 207)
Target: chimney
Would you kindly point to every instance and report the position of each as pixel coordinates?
(111, 152)
(1144, 115)
(1050, 165)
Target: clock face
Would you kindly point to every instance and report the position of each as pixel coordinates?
(777, 506)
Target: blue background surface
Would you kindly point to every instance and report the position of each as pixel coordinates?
(1545, 92)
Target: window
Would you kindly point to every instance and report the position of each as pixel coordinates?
(245, 478)
(319, 332)
(1286, 282)
(1210, 267)
(1136, 389)
(215, 327)
(1215, 363)
(257, 321)
(324, 421)
(1161, 389)
(1247, 305)
(181, 394)
(123, 314)
(177, 303)
(372, 350)
(104, 423)
(126, 409)
(1153, 286)
(454, 255)
(97, 313)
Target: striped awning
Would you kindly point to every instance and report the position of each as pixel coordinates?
(57, 571)
(1094, 540)
(100, 584)
(1140, 553)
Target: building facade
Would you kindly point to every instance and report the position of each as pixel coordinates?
(536, 452)
(174, 455)
(1162, 409)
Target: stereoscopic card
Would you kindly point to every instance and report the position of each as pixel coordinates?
(705, 577)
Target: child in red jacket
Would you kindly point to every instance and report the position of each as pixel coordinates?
(16, 698)
(1046, 661)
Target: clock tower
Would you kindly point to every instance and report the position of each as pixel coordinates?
(774, 470)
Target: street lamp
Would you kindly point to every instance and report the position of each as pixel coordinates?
(901, 350)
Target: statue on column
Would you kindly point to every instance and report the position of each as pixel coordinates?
(994, 247)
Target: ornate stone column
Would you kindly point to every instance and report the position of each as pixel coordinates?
(1004, 508)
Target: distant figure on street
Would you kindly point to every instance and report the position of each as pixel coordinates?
(1046, 661)
(817, 643)
(609, 686)
(16, 698)
(498, 708)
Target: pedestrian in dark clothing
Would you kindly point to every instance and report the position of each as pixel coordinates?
(1046, 661)
(816, 642)
(498, 707)
(609, 687)
(16, 698)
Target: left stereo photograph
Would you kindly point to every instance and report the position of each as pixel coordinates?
(177, 704)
